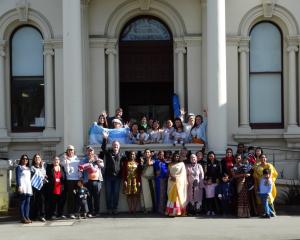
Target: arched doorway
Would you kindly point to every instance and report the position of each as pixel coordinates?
(146, 69)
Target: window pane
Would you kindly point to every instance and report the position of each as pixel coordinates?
(27, 52)
(265, 98)
(27, 103)
(265, 48)
(145, 29)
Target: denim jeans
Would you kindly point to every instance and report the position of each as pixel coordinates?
(112, 189)
(265, 203)
(94, 187)
(24, 205)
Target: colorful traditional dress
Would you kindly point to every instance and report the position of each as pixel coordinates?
(177, 190)
(243, 205)
(132, 177)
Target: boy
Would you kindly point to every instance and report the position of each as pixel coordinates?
(224, 193)
(265, 187)
(81, 194)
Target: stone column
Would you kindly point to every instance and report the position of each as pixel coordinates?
(3, 127)
(216, 76)
(49, 89)
(111, 52)
(72, 75)
(292, 117)
(180, 89)
(244, 85)
(204, 54)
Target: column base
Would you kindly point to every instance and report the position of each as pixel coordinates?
(293, 129)
(244, 129)
(3, 132)
(49, 132)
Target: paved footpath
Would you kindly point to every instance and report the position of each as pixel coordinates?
(141, 227)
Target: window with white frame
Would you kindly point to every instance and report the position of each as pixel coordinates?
(27, 80)
(265, 79)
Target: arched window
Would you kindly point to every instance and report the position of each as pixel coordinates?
(27, 80)
(266, 95)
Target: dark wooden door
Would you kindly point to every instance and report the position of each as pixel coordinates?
(146, 77)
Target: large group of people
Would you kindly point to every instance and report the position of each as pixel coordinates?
(175, 183)
(181, 130)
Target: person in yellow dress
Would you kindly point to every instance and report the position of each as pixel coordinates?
(131, 174)
(258, 174)
(177, 188)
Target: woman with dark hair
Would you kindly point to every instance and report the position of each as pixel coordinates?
(148, 184)
(227, 162)
(23, 180)
(177, 188)
(214, 169)
(133, 133)
(38, 173)
(96, 130)
(258, 151)
(198, 131)
(240, 173)
(155, 132)
(56, 188)
(178, 135)
(131, 174)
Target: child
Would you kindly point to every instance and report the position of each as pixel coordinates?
(210, 196)
(81, 193)
(224, 193)
(265, 187)
(142, 136)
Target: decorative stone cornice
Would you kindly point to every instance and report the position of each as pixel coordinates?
(179, 42)
(98, 42)
(233, 40)
(54, 43)
(22, 9)
(144, 4)
(293, 40)
(244, 44)
(2, 48)
(193, 41)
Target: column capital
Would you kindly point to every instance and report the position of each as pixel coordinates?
(292, 48)
(243, 44)
(111, 50)
(243, 49)
(181, 50)
(48, 48)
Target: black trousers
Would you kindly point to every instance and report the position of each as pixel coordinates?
(37, 203)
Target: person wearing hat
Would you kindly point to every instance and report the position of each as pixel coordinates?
(90, 169)
(118, 133)
(118, 115)
(71, 162)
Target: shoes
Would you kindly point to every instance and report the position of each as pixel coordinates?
(265, 216)
(42, 219)
(72, 216)
(207, 213)
(84, 216)
(28, 220)
(213, 213)
(115, 211)
(63, 217)
(89, 215)
(78, 216)
(25, 221)
(53, 217)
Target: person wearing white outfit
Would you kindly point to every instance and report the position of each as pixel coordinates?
(23, 179)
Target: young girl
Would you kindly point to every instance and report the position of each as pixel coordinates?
(37, 209)
(167, 131)
(195, 176)
(210, 197)
(23, 177)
